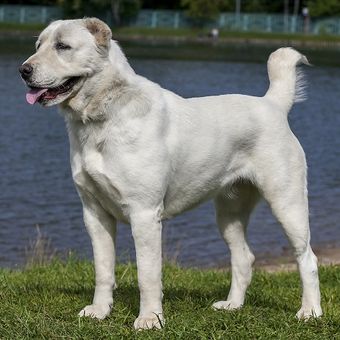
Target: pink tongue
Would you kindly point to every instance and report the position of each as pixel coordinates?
(33, 95)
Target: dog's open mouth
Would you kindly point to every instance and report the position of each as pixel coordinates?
(39, 94)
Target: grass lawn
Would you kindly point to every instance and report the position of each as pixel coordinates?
(42, 302)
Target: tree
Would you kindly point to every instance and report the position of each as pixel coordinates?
(121, 10)
(30, 2)
(161, 4)
(319, 8)
(202, 10)
(262, 6)
(227, 5)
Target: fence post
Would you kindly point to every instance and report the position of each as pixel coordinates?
(285, 22)
(293, 24)
(269, 23)
(176, 20)
(154, 19)
(2, 14)
(222, 20)
(245, 22)
(43, 14)
(22, 15)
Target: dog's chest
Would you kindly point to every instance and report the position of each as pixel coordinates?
(102, 184)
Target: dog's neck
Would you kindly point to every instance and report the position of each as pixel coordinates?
(107, 85)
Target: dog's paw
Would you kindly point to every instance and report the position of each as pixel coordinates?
(228, 305)
(308, 313)
(154, 320)
(96, 311)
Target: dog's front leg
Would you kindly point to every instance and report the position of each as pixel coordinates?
(102, 230)
(147, 233)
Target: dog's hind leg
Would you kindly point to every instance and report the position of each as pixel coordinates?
(232, 215)
(285, 189)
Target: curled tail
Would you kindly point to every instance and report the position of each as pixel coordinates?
(286, 80)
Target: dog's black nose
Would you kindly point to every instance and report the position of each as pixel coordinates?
(26, 70)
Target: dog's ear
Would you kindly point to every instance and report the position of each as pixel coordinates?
(100, 31)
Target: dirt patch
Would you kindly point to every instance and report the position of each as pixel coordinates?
(327, 255)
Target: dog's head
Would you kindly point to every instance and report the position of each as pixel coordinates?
(68, 52)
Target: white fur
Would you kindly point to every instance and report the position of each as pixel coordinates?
(142, 154)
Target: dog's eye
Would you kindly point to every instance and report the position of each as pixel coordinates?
(61, 46)
(37, 46)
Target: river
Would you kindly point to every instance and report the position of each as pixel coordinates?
(36, 186)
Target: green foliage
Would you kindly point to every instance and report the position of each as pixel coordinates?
(129, 9)
(208, 9)
(227, 5)
(162, 4)
(43, 302)
(262, 6)
(121, 10)
(319, 8)
(202, 10)
(30, 2)
(73, 8)
(205, 10)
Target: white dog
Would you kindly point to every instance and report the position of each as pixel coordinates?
(141, 154)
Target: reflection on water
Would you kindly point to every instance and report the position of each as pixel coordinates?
(36, 185)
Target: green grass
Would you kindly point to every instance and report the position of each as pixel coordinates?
(43, 302)
(195, 32)
(7, 27)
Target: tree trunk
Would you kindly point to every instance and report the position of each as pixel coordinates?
(115, 6)
(285, 15)
(296, 7)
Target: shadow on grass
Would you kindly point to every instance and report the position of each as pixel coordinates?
(129, 296)
(191, 289)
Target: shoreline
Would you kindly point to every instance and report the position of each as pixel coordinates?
(158, 36)
(188, 47)
(328, 255)
(227, 40)
(43, 253)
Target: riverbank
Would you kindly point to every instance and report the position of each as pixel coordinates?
(328, 255)
(225, 37)
(190, 34)
(43, 301)
(230, 46)
(194, 44)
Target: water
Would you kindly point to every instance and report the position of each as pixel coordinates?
(36, 186)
